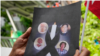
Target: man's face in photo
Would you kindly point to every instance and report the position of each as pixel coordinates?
(43, 27)
(62, 45)
(64, 28)
(39, 40)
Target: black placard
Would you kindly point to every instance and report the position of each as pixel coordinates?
(55, 31)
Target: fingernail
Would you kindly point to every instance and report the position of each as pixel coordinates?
(28, 28)
(77, 50)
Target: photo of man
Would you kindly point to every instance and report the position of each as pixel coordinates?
(62, 47)
(62, 50)
(39, 43)
(43, 27)
(65, 28)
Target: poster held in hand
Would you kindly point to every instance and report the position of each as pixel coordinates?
(55, 31)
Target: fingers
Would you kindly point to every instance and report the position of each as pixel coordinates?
(83, 48)
(19, 52)
(27, 33)
(85, 52)
(25, 40)
(77, 53)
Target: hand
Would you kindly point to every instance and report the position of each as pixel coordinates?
(20, 44)
(84, 52)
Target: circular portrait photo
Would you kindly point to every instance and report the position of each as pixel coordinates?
(62, 47)
(39, 43)
(65, 28)
(43, 27)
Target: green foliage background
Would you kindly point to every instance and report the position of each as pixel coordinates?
(92, 30)
(5, 30)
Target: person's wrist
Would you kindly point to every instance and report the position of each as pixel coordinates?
(12, 53)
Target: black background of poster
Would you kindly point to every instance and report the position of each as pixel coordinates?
(70, 14)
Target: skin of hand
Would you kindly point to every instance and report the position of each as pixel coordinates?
(20, 44)
(85, 52)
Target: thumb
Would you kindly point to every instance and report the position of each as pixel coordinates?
(77, 53)
(85, 52)
(27, 33)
